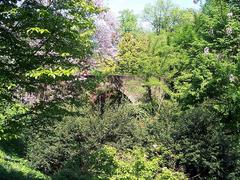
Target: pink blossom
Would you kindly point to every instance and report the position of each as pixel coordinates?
(106, 36)
(98, 3)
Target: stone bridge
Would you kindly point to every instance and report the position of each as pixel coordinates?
(132, 87)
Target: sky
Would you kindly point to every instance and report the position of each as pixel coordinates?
(138, 5)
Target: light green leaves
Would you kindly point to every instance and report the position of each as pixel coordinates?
(37, 30)
(8, 115)
(51, 72)
(133, 164)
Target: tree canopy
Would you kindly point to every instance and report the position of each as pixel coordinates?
(87, 95)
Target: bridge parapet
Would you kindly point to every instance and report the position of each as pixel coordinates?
(133, 87)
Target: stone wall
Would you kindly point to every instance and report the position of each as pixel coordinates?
(134, 88)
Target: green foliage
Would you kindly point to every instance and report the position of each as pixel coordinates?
(148, 56)
(128, 22)
(37, 30)
(110, 163)
(211, 75)
(10, 119)
(37, 40)
(131, 49)
(191, 57)
(168, 174)
(163, 15)
(205, 145)
(12, 167)
(52, 146)
(197, 133)
(53, 73)
(197, 139)
(214, 74)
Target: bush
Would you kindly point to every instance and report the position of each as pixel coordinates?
(198, 141)
(122, 127)
(206, 149)
(110, 163)
(163, 124)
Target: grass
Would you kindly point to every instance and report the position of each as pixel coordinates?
(13, 167)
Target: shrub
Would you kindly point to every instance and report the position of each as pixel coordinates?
(110, 163)
(204, 145)
(122, 127)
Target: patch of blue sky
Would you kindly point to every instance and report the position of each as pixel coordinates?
(138, 5)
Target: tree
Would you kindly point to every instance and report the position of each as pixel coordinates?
(106, 35)
(132, 49)
(163, 15)
(214, 59)
(147, 55)
(211, 75)
(159, 14)
(41, 42)
(128, 21)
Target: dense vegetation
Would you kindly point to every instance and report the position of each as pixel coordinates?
(64, 114)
